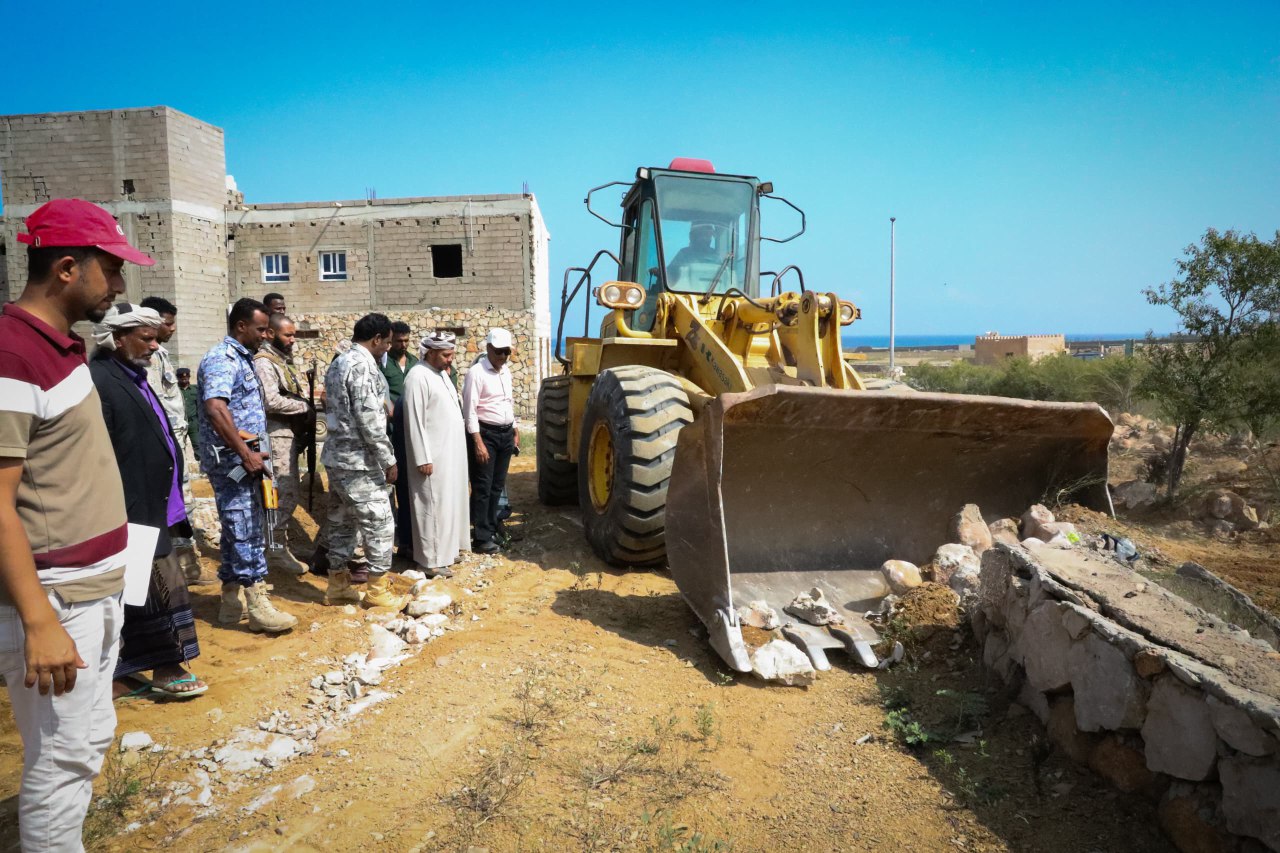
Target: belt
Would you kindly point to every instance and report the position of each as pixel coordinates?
(496, 427)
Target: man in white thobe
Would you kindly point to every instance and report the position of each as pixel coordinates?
(436, 449)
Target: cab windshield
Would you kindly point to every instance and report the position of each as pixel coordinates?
(706, 232)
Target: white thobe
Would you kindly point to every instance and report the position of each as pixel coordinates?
(434, 435)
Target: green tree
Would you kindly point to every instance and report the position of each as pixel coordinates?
(1227, 295)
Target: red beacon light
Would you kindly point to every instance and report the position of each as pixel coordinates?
(691, 164)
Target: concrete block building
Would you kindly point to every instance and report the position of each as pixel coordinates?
(462, 263)
(993, 348)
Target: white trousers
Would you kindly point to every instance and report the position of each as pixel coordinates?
(64, 738)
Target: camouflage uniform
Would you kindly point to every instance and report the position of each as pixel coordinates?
(286, 406)
(226, 371)
(356, 454)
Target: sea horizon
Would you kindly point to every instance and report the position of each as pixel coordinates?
(850, 342)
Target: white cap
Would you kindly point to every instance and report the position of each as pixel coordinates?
(498, 339)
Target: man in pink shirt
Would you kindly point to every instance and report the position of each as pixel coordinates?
(488, 408)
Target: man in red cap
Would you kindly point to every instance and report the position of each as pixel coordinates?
(62, 519)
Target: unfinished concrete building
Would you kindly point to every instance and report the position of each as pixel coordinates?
(993, 348)
(462, 263)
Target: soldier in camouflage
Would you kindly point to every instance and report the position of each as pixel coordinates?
(361, 466)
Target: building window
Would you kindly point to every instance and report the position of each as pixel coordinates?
(275, 267)
(446, 261)
(333, 266)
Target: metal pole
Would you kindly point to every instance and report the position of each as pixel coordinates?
(892, 318)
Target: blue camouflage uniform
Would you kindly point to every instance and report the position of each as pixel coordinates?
(226, 372)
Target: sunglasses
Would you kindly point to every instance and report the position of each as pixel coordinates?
(502, 351)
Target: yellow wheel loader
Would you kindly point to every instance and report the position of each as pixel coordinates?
(714, 424)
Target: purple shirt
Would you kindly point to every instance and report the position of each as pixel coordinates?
(177, 510)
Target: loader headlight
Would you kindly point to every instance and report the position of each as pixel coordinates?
(848, 313)
(620, 294)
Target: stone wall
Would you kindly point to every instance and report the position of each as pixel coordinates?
(1155, 695)
(528, 358)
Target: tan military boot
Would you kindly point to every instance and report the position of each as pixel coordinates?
(283, 560)
(232, 610)
(189, 562)
(380, 594)
(340, 590)
(263, 615)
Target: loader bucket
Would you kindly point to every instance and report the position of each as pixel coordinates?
(784, 488)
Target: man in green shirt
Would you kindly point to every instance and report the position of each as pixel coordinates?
(190, 400)
(397, 364)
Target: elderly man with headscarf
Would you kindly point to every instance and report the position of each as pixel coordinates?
(436, 451)
(160, 635)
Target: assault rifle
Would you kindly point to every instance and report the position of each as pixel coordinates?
(311, 437)
(269, 496)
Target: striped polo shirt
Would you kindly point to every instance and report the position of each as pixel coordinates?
(70, 498)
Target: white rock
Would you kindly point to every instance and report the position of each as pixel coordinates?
(414, 575)
(383, 644)
(422, 587)
(952, 558)
(1031, 543)
(134, 740)
(433, 620)
(369, 676)
(759, 614)
(426, 604)
(812, 607)
(1004, 530)
(779, 660)
(901, 575)
(1108, 692)
(1178, 732)
(1043, 645)
(334, 677)
(415, 633)
(354, 690)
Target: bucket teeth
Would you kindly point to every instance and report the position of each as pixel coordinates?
(810, 645)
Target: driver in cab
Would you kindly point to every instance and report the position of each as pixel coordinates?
(698, 251)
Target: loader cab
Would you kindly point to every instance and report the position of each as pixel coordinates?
(689, 230)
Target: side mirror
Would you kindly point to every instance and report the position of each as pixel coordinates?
(587, 202)
(793, 207)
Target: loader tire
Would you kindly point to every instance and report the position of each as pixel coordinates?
(557, 476)
(629, 430)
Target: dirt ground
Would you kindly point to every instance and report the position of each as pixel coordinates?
(574, 707)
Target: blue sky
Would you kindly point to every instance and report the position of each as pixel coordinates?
(1044, 165)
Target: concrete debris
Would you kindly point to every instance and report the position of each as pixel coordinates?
(130, 741)
(758, 614)
(901, 575)
(812, 607)
(779, 660)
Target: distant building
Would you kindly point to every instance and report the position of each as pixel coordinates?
(992, 348)
(457, 262)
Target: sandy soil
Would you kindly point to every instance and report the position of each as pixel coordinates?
(579, 708)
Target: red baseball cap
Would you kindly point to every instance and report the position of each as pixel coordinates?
(68, 222)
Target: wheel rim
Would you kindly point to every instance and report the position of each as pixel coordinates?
(600, 466)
